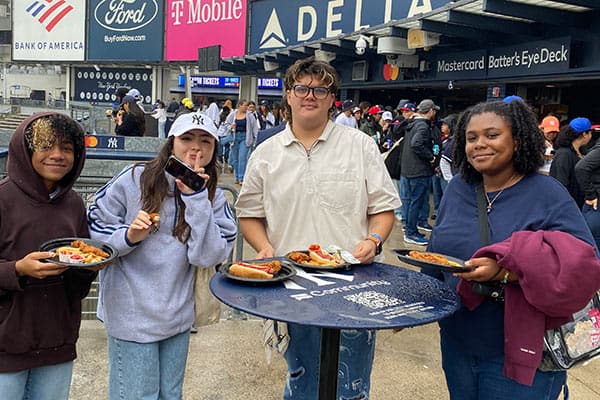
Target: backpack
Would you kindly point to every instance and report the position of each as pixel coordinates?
(393, 157)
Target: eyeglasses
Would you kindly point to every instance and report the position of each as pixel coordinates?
(302, 91)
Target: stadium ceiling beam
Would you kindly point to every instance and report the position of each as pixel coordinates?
(547, 15)
(493, 23)
(462, 31)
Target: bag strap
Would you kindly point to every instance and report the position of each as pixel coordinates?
(484, 228)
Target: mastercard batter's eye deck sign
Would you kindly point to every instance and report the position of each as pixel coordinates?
(49, 30)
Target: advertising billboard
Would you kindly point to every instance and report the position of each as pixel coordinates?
(194, 24)
(125, 30)
(99, 85)
(48, 30)
(277, 24)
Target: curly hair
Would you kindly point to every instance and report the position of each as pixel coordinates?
(320, 70)
(528, 157)
(155, 188)
(43, 132)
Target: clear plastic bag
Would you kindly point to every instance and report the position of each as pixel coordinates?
(574, 342)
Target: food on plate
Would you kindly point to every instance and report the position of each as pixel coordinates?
(80, 252)
(86, 248)
(316, 256)
(432, 258)
(299, 257)
(264, 270)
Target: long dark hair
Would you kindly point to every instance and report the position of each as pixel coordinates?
(137, 112)
(528, 157)
(565, 137)
(155, 188)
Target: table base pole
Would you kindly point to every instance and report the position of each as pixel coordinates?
(328, 369)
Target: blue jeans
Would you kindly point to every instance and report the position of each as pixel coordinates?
(147, 371)
(224, 145)
(404, 198)
(418, 194)
(48, 382)
(592, 218)
(238, 156)
(400, 210)
(477, 378)
(357, 350)
(161, 129)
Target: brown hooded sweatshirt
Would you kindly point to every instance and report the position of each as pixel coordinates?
(39, 318)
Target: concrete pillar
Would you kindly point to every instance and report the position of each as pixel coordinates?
(68, 85)
(188, 87)
(157, 83)
(249, 87)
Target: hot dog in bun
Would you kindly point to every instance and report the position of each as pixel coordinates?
(256, 270)
(319, 255)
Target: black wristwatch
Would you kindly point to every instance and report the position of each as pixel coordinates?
(375, 238)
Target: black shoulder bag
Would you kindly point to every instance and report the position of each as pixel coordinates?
(493, 290)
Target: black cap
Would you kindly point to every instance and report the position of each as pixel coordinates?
(347, 104)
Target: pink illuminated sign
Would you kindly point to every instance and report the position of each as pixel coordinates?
(192, 24)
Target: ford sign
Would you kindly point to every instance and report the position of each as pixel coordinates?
(125, 15)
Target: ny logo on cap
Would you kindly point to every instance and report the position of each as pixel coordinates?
(197, 119)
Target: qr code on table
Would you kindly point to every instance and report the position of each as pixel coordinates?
(373, 300)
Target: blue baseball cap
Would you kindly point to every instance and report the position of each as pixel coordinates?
(580, 124)
(508, 99)
(408, 107)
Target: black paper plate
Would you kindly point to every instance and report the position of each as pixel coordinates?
(344, 266)
(286, 272)
(54, 244)
(403, 256)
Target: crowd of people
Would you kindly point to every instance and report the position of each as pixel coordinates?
(502, 188)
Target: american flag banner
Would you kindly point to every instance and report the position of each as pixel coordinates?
(49, 12)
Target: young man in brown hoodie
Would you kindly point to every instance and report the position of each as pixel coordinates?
(40, 302)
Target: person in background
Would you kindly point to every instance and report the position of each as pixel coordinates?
(225, 134)
(212, 110)
(245, 127)
(492, 346)
(146, 299)
(337, 109)
(139, 99)
(372, 126)
(40, 301)
(277, 113)
(160, 114)
(357, 114)
(418, 163)
(550, 126)
(567, 153)
(267, 133)
(130, 119)
(587, 172)
(345, 117)
(407, 111)
(315, 153)
(265, 117)
(387, 127)
(447, 167)
(364, 108)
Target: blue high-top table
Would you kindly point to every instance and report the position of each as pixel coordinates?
(375, 296)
